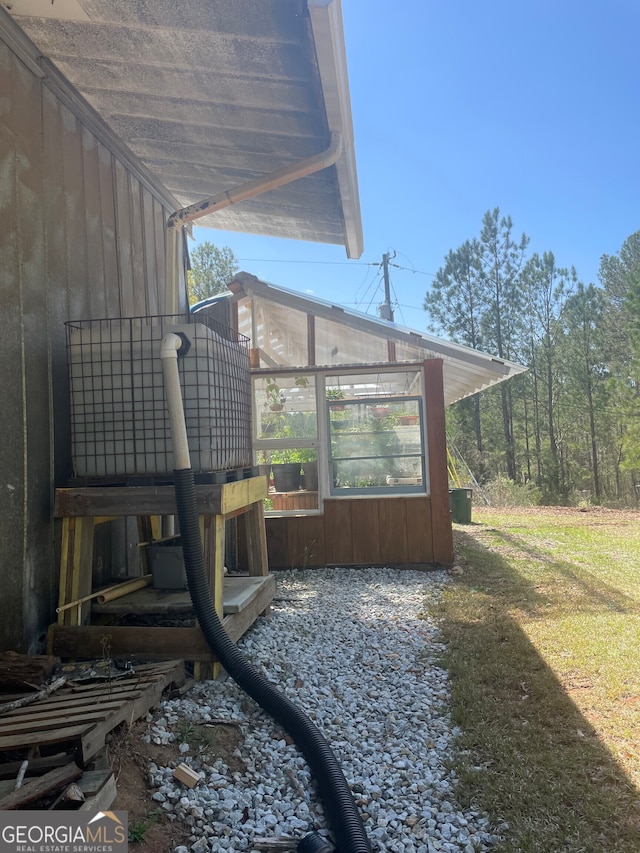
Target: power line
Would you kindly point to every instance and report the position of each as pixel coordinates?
(289, 261)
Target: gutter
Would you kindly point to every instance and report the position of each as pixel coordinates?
(257, 186)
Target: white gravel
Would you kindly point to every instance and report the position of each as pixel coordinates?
(348, 646)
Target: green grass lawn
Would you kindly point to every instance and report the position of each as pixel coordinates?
(543, 636)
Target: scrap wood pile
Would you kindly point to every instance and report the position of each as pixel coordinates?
(54, 721)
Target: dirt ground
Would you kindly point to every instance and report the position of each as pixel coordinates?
(150, 829)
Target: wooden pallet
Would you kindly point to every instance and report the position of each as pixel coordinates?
(78, 717)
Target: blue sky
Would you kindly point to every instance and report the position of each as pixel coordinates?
(460, 107)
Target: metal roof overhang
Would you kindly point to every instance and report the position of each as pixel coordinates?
(465, 371)
(210, 94)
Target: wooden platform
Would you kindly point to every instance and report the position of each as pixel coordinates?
(151, 643)
(237, 594)
(81, 632)
(77, 718)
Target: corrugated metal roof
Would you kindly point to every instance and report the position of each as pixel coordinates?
(211, 93)
(466, 371)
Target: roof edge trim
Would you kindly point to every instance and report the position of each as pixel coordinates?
(328, 36)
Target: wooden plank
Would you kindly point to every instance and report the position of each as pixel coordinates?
(365, 531)
(242, 493)
(212, 499)
(36, 788)
(442, 533)
(56, 736)
(419, 530)
(338, 532)
(49, 717)
(240, 592)
(149, 601)
(257, 558)
(392, 518)
(236, 624)
(40, 725)
(103, 799)
(129, 643)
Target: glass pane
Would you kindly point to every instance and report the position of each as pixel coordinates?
(285, 407)
(292, 475)
(375, 443)
(338, 344)
(405, 383)
(281, 335)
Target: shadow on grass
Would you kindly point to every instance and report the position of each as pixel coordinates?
(588, 593)
(529, 757)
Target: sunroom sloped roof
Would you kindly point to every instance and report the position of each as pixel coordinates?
(466, 371)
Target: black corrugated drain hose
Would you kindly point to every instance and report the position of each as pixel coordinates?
(338, 801)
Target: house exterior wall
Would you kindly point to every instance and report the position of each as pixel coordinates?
(82, 237)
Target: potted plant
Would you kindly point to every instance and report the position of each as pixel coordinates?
(285, 467)
(334, 395)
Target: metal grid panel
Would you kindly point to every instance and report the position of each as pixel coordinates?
(119, 420)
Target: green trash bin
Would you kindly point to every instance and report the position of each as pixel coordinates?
(460, 505)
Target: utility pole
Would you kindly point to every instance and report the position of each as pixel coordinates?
(385, 310)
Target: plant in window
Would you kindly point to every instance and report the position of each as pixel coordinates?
(334, 395)
(274, 397)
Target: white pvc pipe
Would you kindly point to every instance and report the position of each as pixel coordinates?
(171, 343)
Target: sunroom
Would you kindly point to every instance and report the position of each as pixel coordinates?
(348, 427)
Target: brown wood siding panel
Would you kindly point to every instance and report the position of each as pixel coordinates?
(419, 532)
(365, 530)
(109, 240)
(95, 282)
(392, 519)
(75, 221)
(159, 222)
(138, 253)
(58, 261)
(57, 280)
(305, 541)
(276, 542)
(338, 532)
(437, 455)
(151, 260)
(124, 239)
(12, 447)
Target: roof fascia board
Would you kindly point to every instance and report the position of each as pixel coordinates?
(328, 36)
(253, 286)
(27, 52)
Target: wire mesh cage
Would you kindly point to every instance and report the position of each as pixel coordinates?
(119, 421)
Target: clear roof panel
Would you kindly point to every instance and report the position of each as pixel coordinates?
(339, 344)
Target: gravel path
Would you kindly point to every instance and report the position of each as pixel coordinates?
(349, 647)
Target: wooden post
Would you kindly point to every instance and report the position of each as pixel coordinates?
(437, 456)
(256, 540)
(76, 564)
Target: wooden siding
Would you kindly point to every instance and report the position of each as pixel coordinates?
(357, 532)
(82, 238)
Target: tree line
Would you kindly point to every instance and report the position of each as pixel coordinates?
(568, 428)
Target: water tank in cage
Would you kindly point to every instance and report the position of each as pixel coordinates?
(119, 420)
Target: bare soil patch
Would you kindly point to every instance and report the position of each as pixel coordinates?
(150, 828)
